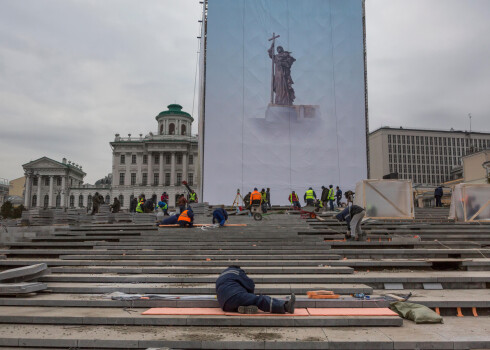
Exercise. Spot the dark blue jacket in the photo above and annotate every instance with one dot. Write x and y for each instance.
(339, 194)
(220, 215)
(233, 281)
(347, 214)
(438, 192)
(170, 220)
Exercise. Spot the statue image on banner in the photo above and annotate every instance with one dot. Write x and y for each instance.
(282, 83)
(282, 93)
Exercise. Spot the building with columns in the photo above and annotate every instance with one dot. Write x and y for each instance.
(146, 165)
(157, 162)
(48, 182)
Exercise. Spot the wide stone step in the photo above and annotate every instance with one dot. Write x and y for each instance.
(443, 299)
(462, 279)
(453, 334)
(200, 288)
(203, 270)
(232, 259)
(117, 316)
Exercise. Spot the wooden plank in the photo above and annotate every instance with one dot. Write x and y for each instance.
(200, 225)
(479, 211)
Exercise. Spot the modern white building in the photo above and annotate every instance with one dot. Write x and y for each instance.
(424, 156)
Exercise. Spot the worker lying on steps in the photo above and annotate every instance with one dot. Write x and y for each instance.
(235, 292)
(186, 218)
(353, 215)
(171, 220)
(220, 215)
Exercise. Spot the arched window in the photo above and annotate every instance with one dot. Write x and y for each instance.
(46, 201)
(80, 201)
(183, 129)
(161, 129)
(107, 199)
(58, 201)
(121, 200)
(89, 201)
(34, 201)
(171, 129)
(72, 201)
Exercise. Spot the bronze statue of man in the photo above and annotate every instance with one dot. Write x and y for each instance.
(282, 83)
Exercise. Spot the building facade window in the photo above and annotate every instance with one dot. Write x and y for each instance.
(133, 159)
(179, 158)
(46, 201)
(107, 199)
(168, 159)
(190, 177)
(121, 200)
(145, 159)
(191, 159)
(122, 159)
(183, 129)
(133, 179)
(121, 179)
(34, 201)
(46, 181)
(155, 179)
(80, 201)
(58, 181)
(179, 179)
(156, 159)
(167, 179)
(34, 181)
(145, 179)
(171, 129)
(58, 201)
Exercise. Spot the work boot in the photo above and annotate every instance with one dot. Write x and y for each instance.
(289, 305)
(251, 309)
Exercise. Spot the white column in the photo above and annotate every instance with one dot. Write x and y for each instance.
(27, 193)
(51, 179)
(149, 176)
(139, 162)
(63, 187)
(184, 166)
(39, 181)
(172, 170)
(160, 174)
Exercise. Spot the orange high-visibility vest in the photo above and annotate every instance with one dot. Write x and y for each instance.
(184, 216)
(255, 196)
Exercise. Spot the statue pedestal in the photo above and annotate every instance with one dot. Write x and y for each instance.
(275, 113)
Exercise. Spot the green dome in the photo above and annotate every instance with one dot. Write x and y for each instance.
(174, 109)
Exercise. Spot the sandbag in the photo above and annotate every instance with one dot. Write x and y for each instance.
(415, 312)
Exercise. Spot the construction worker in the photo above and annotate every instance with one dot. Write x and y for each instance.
(220, 215)
(192, 197)
(324, 196)
(255, 197)
(116, 206)
(268, 197)
(338, 194)
(186, 218)
(171, 220)
(438, 193)
(140, 206)
(264, 200)
(95, 203)
(353, 215)
(310, 196)
(235, 292)
(294, 200)
(164, 197)
(331, 197)
(182, 203)
(246, 200)
(163, 206)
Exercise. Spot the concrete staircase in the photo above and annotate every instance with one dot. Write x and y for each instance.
(282, 253)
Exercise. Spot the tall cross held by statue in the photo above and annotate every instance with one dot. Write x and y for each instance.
(273, 39)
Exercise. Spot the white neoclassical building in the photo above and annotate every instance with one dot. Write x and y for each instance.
(157, 162)
(48, 182)
(146, 165)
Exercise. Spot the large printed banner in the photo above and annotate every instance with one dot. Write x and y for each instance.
(284, 99)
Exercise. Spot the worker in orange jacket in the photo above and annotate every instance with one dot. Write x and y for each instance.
(256, 197)
(186, 218)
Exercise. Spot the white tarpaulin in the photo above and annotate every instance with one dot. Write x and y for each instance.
(286, 113)
(385, 198)
(470, 202)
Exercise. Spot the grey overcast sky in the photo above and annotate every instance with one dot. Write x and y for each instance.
(75, 72)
